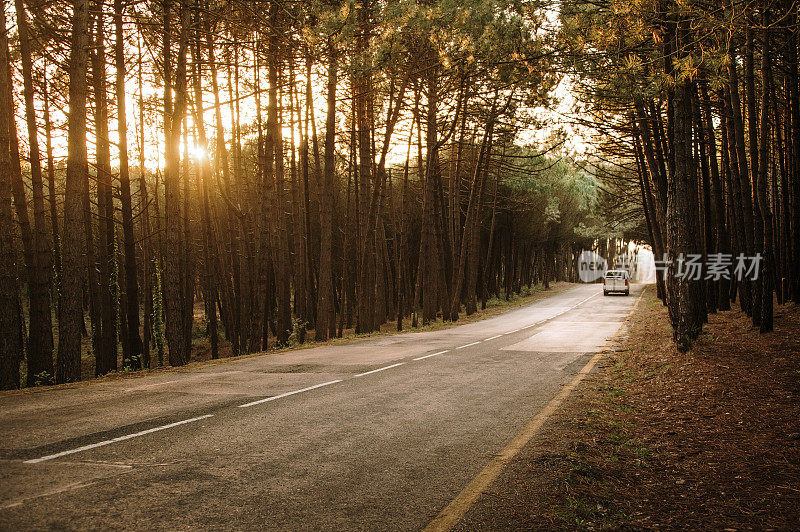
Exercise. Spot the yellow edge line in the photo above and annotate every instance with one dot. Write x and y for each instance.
(452, 514)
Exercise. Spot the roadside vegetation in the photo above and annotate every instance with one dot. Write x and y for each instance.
(700, 105)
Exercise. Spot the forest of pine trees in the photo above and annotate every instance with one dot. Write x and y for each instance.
(701, 100)
(181, 178)
(188, 177)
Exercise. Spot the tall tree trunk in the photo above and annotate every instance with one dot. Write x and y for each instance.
(734, 186)
(473, 252)
(106, 356)
(765, 209)
(275, 125)
(51, 184)
(470, 226)
(708, 213)
(752, 186)
(745, 184)
(11, 350)
(721, 237)
(187, 256)
(258, 254)
(133, 339)
(683, 222)
(148, 271)
(40, 339)
(68, 361)
(428, 241)
(326, 317)
(794, 84)
(233, 331)
(173, 264)
(210, 272)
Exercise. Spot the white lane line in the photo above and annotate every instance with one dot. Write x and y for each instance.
(379, 369)
(433, 354)
(467, 345)
(551, 317)
(115, 440)
(148, 386)
(579, 304)
(493, 337)
(287, 394)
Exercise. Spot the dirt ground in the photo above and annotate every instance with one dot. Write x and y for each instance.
(657, 439)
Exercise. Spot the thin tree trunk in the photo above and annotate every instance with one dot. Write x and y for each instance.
(722, 237)
(765, 210)
(745, 184)
(275, 125)
(51, 184)
(326, 317)
(210, 272)
(134, 341)
(148, 273)
(794, 76)
(106, 355)
(40, 339)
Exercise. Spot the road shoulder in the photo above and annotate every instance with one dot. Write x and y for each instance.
(201, 354)
(658, 439)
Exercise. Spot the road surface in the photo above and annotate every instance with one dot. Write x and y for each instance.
(376, 434)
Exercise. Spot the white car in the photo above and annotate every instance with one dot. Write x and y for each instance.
(616, 281)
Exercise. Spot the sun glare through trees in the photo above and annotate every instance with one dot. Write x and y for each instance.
(399, 265)
(191, 178)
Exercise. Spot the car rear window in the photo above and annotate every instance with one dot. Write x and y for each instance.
(615, 275)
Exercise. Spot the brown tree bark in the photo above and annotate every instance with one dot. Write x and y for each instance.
(174, 273)
(744, 190)
(274, 125)
(752, 185)
(470, 225)
(133, 339)
(722, 236)
(147, 243)
(210, 272)
(68, 361)
(429, 248)
(40, 339)
(232, 331)
(51, 184)
(106, 355)
(11, 349)
(708, 218)
(326, 317)
(794, 89)
(765, 318)
(683, 221)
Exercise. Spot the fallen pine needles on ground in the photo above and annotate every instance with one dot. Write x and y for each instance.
(708, 439)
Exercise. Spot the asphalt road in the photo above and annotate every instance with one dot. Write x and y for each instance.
(376, 434)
